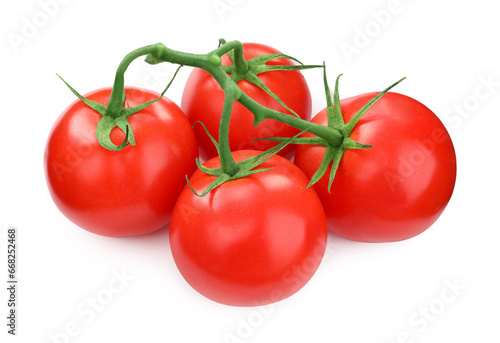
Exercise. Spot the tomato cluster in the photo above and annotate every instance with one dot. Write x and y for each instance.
(243, 242)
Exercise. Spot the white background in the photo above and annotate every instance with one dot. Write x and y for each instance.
(442, 286)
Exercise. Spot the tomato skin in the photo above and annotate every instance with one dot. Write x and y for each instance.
(399, 187)
(251, 241)
(203, 99)
(120, 193)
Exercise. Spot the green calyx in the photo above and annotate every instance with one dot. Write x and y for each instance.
(248, 70)
(243, 169)
(115, 114)
(334, 154)
(335, 122)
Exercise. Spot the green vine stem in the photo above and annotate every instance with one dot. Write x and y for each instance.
(228, 164)
(117, 98)
(211, 63)
(115, 114)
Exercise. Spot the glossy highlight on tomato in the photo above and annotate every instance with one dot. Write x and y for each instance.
(251, 241)
(120, 193)
(398, 188)
(203, 100)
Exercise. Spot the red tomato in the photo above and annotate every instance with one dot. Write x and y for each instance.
(120, 193)
(398, 188)
(203, 100)
(251, 241)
